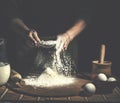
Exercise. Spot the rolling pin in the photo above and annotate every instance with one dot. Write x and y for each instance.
(102, 54)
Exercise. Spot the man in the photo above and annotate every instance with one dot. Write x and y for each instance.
(62, 19)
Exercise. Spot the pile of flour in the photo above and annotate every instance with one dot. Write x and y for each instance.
(50, 77)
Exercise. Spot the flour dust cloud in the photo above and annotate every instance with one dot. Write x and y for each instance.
(52, 76)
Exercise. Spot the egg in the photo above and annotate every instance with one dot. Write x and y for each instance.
(102, 77)
(111, 79)
(90, 88)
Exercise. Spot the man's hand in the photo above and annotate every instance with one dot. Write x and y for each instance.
(32, 39)
(34, 36)
(63, 41)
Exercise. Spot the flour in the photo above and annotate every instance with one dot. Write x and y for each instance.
(57, 75)
(47, 44)
(49, 78)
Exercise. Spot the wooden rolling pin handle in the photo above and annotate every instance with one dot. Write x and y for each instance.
(102, 54)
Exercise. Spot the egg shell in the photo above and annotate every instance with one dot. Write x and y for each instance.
(111, 79)
(102, 77)
(90, 88)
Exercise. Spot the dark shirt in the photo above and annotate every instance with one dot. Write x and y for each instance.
(49, 16)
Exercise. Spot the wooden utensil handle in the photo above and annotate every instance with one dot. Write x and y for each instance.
(102, 54)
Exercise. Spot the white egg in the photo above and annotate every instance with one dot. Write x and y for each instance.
(111, 79)
(102, 77)
(90, 88)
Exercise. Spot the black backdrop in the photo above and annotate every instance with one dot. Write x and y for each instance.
(104, 28)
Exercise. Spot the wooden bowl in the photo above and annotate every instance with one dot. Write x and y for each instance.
(105, 86)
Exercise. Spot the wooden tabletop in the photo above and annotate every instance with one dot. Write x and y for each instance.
(7, 96)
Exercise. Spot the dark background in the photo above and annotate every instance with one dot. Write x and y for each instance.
(103, 29)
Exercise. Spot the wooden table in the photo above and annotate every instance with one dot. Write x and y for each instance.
(8, 96)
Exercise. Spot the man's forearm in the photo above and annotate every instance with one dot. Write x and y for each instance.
(18, 26)
(76, 29)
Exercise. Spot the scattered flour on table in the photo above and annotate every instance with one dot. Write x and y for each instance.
(49, 78)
